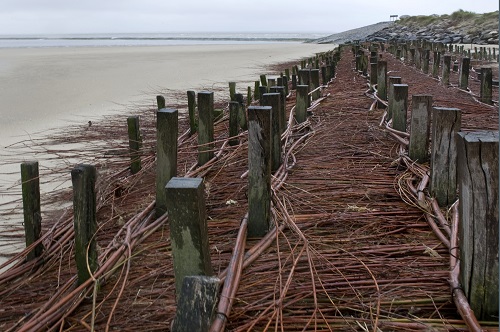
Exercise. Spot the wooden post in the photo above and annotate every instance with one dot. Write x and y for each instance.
(478, 225)
(305, 77)
(373, 73)
(287, 73)
(274, 100)
(315, 83)
(426, 60)
(400, 107)
(446, 69)
(242, 115)
(294, 81)
(249, 96)
(418, 58)
(486, 86)
(446, 123)
(188, 228)
(232, 90)
(166, 154)
(83, 178)
(390, 94)
(234, 110)
(197, 304)
(324, 80)
(420, 128)
(259, 166)
(270, 82)
(205, 127)
(262, 91)
(282, 110)
(160, 101)
(31, 207)
(435, 64)
(134, 143)
(193, 126)
(301, 103)
(263, 80)
(256, 95)
(382, 79)
(464, 74)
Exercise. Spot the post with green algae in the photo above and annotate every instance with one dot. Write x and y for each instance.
(315, 84)
(134, 143)
(464, 73)
(390, 94)
(205, 127)
(193, 125)
(83, 178)
(232, 90)
(446, 70)
(256, 95)
(160, 102)
(301, 103)
(259, 167)
(400, 107)
(274, 100)
(234, 110)
(188, 228)
(420, 128)
(282, 110)
(31, 207)
(166, 154)
(486, 86)
(382, 79)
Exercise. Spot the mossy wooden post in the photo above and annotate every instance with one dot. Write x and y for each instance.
(259, 166)
(464, 73)
(373, 73)
(188, 228)
(478, 225)
(446, 124)
(418, 58)
(305, 77)
(446, 70)
(418, 149)
(274, 100)
(390, 94)
(256, 95)
(134, 143)
(294, 81)
(83, 178)
(193, 126)
(263, 80)
(332, 70)
(160, 102)
(167, 131)
(282, 110)
(205, 127)
(287, 73)
(31, 207)
(232, 90)
(486, 86)
(234, 110)
(324, 80)
(242, 115)
(435, 64)
(382, 79)
(426, 60)
(270, 82)
(197, 304)
(400, 107)
(315, 84)
(262, 91)
(249, 96)
(301, 103)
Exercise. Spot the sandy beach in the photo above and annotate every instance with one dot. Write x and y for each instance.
(43, 88)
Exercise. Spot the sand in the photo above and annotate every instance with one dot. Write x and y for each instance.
(42, 88)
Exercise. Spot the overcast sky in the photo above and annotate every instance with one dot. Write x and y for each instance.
(96, 16)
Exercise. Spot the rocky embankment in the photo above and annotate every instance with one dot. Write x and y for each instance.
(460, 27)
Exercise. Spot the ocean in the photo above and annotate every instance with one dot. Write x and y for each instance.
(152, 39)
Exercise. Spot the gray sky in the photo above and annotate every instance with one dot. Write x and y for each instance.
(95, 16)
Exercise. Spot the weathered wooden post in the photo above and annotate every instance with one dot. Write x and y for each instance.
(262, 91)
(256, 95)
(134, 143)
(193, 126)
(242, 115)
(232, 90)
(305, 77)
(418, 58)
(400, 107)
(205, 127)
(324, 80)
(373, 73)
(259, 166)
(197, 304)
(270, 82)
(188, 228)
(294, 81)
(234, 110)
(83, 178)
(435, 64)
(263, 80)
(274, 100)
(418, 149)
(315, 83)
(446, 123)
(382, 79)
(412, 55)
(446, 69)
(486, 86)
(425, 67)
(249, 96)
(282, 109)
(31, 207)
(301, 103)
(166, 154)
(160, 102)
(390, 94)
(478, 224)
(464, 73)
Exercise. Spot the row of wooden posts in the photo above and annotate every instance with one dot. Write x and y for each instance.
(460, 162)
(183, 198)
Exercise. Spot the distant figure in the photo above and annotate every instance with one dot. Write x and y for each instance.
(90, 124)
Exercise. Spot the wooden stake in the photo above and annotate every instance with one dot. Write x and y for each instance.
(420, 128)
(274, 100)
(301, 103)
(205, 127)
(134, 143)
(193, 125)
(31, 207)
(400, 107)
